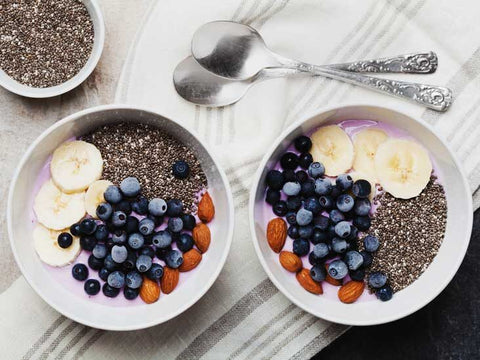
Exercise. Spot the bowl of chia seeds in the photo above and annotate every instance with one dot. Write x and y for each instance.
(360, 214)
(50, 47)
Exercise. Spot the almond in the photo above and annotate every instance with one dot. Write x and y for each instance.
(351, 291)
(276, 234)
(149, 291)
(206, 209)
(169, 279)
(201, 235)
(190, 260)
(331, 280)
(290, 261)
(304, 278)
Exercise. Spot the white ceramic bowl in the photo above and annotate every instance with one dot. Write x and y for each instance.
(99, 29)
(80, 308)
(440, 271)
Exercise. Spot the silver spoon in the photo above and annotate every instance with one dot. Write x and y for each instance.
(237, 51)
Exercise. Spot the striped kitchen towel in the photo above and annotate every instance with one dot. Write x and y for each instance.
(244, 316)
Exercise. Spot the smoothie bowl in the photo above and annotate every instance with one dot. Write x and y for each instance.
(119, 218)
(360, 214)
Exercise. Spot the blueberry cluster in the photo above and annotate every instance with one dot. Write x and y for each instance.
(328, 215)
(124, 246)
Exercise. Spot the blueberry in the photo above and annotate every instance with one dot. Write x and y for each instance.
(304, 217)
(362, 222)
(301, 247)
(147, 250)
(345, 203)
(109, 291)
(292, 188)
(146, 226)
(119, 219)
(109, 263)
(280, 208)
(180, 169)
(303, 143)
(353, 233)
(119, 237)
(336, 216)
(130, 187)
(88, 243)
(289, 175)
(140, 206)
(326, 202)
(313, 260)
(272, 196)
(113, 195)
(331, 231)
(119, 253)
(131, 225)
(157, 207)
(353, 259)
(116, 279)
(312, 204)
(124, 206)
(130, 294)
(344, 182)
(318, 236)
(367, 258)
(103, 273)
(305, 232)
(92, 287)
(301, 176)
(336, 192)
(157, 220)
(318, 273)
(385, 293)
(294, 203)
(162, 252)
(337, 269)
(316, 170)
(155, 272)
(189, 221)
(275, 179)
(162, 239)
(377, 279)
(88, 226)
(291, 218)
(100, 251)
(343, 229)
(136, 241)
(293, 232)
(289, 161)
(308, 188)
(174, 259)
(361, 188)
(80, 272)
(174, 207)
(131, 260)
(104, 211)
(321, 250)
(133, 279)
(75, 230)
(339, 245)
(101, 234)
(185, 242)
(143, 263)
(304, 160)
(323, 186)
(371, 243)
(175, 224)
(64, 240)
(94, 263)
(357, 275)
(321, 222)
(362, 207)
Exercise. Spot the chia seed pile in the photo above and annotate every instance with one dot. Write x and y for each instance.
(148, 154)
(410, 233)
(44, 43)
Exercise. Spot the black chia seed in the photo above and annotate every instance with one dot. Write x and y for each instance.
(410, 233)
(148, 154)
(44, 43)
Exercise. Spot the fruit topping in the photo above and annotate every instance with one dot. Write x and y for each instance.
(303, 143)
(80, 272)
(92, 287)
(180, 169)
(366, 144)
(49, 250)
(94, 196)
(306, 281)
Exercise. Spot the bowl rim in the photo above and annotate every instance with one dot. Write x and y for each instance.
(41, 93)
(255, 240)
(228, 237)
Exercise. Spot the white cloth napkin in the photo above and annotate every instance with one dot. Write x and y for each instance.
(243, 315)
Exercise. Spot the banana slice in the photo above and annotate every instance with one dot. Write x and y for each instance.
(57, 210)
(75, 165)
(94, 196)
(365, 144)
(357, 175)
(403, 167)
(333, 148)
(46, 246)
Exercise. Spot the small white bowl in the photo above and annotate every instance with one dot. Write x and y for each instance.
(431, 282)
(99, 38)
(79, 308)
